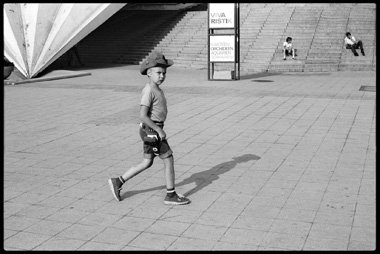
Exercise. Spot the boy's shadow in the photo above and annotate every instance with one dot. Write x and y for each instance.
(202, 179)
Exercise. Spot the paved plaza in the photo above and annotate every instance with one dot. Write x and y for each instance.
(273, 161)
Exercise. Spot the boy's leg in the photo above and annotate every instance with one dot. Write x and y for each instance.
(172, 198)
(133, 171)
(353, 49)
(169, 172)
(116, 183)
(360, 46)
(284, 50)
(293, 53)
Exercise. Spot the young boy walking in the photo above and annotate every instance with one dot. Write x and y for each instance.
(153, 111)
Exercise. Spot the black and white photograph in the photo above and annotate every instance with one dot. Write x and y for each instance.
(189, 126)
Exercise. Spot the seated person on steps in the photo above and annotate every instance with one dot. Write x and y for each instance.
(353, 44)
(288, 48)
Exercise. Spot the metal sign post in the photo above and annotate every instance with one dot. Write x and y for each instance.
(223, 40)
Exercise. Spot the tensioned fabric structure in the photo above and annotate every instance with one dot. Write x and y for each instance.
(35, 35)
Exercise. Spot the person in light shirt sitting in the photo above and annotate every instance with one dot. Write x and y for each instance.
(353, 44)
(288, 48)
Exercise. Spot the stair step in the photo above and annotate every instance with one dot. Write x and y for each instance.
(182, 36)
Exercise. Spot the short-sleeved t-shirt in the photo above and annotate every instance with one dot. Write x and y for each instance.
(155, 100)
(288, 46)
(349, 41)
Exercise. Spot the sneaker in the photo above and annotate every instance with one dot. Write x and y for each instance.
(115, 186)
(177, 199)
(284, 58)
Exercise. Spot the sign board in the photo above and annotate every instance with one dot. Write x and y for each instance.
(221, 15)
(222, 48)
(223, 41)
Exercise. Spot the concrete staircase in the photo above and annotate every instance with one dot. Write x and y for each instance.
(320, 45)
(326, 47)
(261, 51)
(362, 25)
(127, 37)
(302, 27)
(252, 19)
(317, 30)
(186, 44)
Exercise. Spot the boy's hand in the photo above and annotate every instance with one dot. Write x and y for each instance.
(161, 133)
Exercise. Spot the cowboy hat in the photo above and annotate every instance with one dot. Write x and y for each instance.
(156, 59)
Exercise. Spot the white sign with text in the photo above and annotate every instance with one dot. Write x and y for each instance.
(222, 48)
(221, 15)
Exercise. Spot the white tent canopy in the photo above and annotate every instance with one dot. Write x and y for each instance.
(35, 35)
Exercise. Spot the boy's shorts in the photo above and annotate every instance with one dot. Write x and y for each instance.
(150, 148)
(288, 52)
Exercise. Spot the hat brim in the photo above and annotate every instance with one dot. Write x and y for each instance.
(144, 67)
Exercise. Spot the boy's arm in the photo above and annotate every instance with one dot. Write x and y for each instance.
(145, 119)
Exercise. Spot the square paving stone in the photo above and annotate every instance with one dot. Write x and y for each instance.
(297, 214)
(364, 221)
(100, 246)
(295, 228)
(60, 244)
(149, 211)
(47, 227)
(227, 246)
(25, 240)
(181, 214)
(363, 234)
(261, 211)
(152, 241)
(243, 236)
(184, 243)
(325, 244)
(81, 232)
(361, 246)
(168, 227)
(334, 218)
(59, 202)
(245, 221)
(216, 219)
(86, 205)
(329, 231)
(205, 232)
(133, 223)
(115, 236)
(37, 211)
(100, 219)
(30, 198)
(11, 208)
(67, 215)
(19, 222)
(283, 240)
(9, 232)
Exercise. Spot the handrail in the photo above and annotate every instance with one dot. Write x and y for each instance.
(373, 62)
(241, 25)
(342, 49)
(261, 28)
(312, 40)
(285, 30)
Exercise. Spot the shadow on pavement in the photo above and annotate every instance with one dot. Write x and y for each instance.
(260, 75)
(202, 179)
